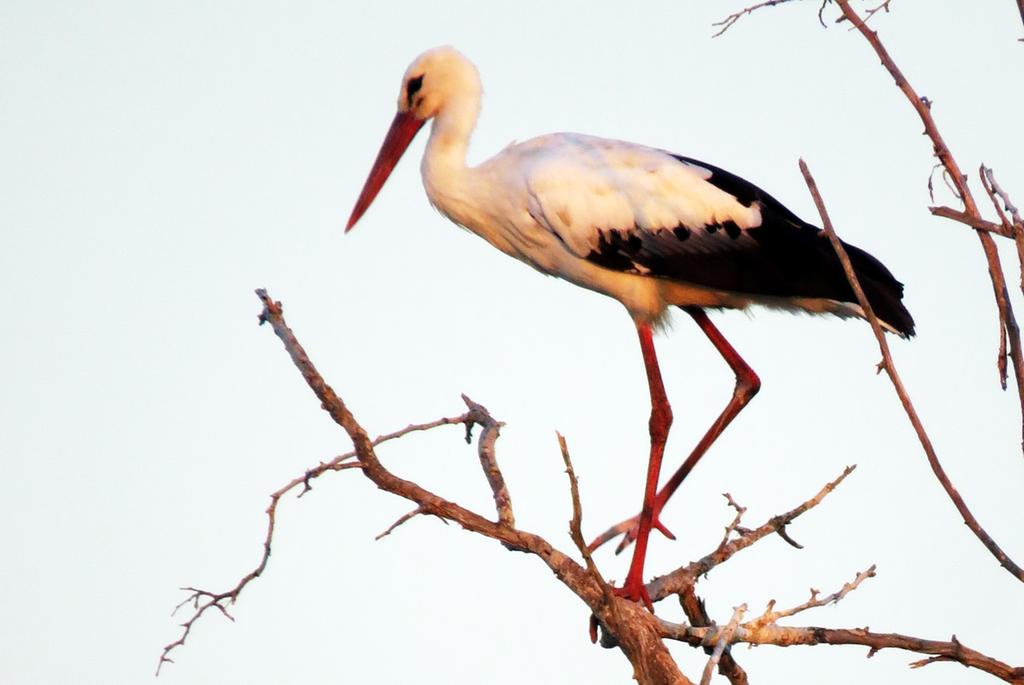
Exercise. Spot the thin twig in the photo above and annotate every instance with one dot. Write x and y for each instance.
(901, 391)
(724, 640)
(402, 519)
(697, 614)
(764, 630)
(735, 523)
(922, 106)
(784, 636)
(868, 13)
(872, 11)
(635, 628)
(1016, 226)
(576, 533)
(203, 600)
(678, 580)
(770, 616)
(576, 522)
(994, 192)
(490, 428)
(727, 23)
(339, 463)
(976, 223)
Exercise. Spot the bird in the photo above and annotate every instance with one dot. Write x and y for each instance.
(649, 228)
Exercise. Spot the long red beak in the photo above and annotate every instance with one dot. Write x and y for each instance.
(403, 129)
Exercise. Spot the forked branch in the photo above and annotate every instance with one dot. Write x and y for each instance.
(890, 368)
(637, 632)
(764, 630)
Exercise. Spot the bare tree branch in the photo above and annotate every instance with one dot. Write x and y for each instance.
(922, 106)
(203, 600)
(781, 636)
(770, 616)
(638, 633)
(402, 519)
(890, 368)
(697, 614)
(971, 216)
(576, 522)
(727, 23)
(723, 641)
(576, 533)
(489, 434)
(626, 625)
(868, 13)
(635, 630)
(677, 581)
(759, 632)
(977, 223)
(1016, 226)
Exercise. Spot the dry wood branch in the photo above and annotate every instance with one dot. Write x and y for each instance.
(401, 520)
(203, 600)
(976, 223)
(770, 616)
(696, 612)
(872, 11)
(734, 525)
(782, 636)
(764, 630)
(635, 630)
(727, 23)
(901, 391)
(971, 216)
(576, 522)
(677, 581)
(1016, 226)
(993, 190)
(722, 644)
(869, 13)
(697, 615)
(1007, 320)
(488, 436)
(628, 626)
(576, 533)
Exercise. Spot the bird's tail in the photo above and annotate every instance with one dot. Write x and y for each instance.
(883, 291)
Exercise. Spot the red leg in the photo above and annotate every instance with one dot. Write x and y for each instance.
(661, 419)
(747, 385)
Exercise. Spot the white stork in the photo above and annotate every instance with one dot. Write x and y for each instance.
(641, 225)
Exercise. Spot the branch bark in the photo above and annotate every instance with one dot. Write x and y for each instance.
(764, 630)
(635, 630)
(782, 636)
(639, 634)
(679, 580)
(1007, 320)
(890, 368)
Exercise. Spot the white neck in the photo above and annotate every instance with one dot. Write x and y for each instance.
(444, 164)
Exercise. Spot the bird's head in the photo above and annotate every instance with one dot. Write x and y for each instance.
(432, 84)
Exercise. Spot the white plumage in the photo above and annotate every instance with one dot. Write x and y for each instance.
(644, 226)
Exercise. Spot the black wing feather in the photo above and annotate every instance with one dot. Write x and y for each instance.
(787, 257)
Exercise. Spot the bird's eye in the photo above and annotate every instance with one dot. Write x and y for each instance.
(413, 87)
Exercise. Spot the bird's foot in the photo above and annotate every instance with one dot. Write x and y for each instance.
(628, 529)
(634, 590)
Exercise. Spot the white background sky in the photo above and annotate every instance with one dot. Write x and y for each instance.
(158, 161)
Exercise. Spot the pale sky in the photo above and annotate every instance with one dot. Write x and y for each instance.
(159, 161)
